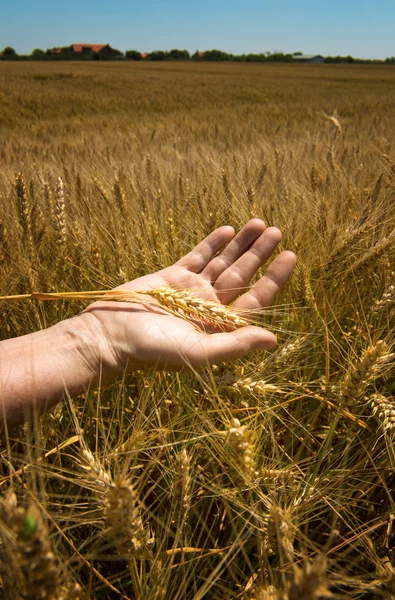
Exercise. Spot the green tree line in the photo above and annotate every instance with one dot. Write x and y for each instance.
(66, 53)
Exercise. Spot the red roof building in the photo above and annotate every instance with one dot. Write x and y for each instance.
(103, 49)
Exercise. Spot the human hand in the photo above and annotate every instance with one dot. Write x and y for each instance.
(141, 335)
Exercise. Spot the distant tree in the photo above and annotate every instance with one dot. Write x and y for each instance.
(344, 59)
(157, 55)
(179, 54)
(133, 55)
(9, 53)
(256, 58)
(38, 54)
(217, 55)
(117, 53)
(280, 57)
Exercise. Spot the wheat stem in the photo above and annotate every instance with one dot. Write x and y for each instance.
(180, 303)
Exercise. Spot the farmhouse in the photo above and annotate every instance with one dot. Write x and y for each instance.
(100, 49)
(308, 58)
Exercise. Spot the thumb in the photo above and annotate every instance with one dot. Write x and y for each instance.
(219, 347)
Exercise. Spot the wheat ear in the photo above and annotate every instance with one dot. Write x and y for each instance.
(182, 302)
(182, 483)
(24, 211)
(28, 565)
(386, 299)
(60, 214)
(124, 523)
(238, 439)
(281, 533)
(118, 502)
(266, 592)
(247, 384)
(335, 122)
(361, 374)
(384, 410)
(342, 252)
(308, 582)
(372, 255)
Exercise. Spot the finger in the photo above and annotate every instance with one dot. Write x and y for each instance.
(197, 259)
(220, 347)
(243, 240)
(265, 290)
(239, 274)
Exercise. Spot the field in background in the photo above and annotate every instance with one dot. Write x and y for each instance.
(226, 488)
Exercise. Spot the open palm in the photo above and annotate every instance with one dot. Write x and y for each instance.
(141, 335)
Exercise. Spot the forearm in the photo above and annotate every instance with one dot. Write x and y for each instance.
(40, 369)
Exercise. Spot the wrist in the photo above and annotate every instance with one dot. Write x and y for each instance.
(90, 345)
(39, 369)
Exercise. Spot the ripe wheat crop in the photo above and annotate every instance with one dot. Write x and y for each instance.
(271, 477)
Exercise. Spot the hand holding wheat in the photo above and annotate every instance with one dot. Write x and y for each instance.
(142, 334)
(151, 328)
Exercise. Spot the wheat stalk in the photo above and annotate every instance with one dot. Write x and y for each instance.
(180, 303)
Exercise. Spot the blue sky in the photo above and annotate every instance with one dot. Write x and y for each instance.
(362, 28)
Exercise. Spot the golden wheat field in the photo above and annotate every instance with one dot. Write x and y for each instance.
(267, 478)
